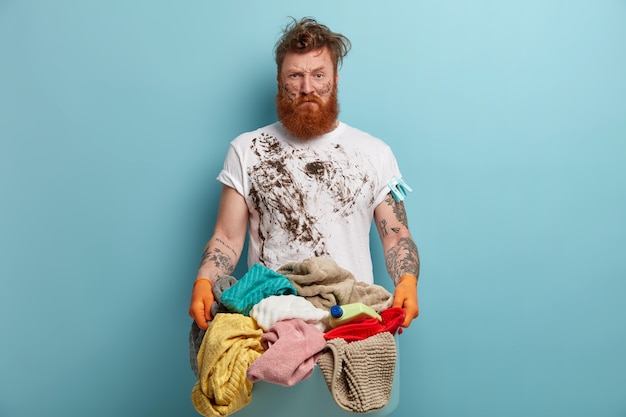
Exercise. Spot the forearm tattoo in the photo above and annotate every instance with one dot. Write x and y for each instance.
(217, 239)
(402, 259)
(222, 261)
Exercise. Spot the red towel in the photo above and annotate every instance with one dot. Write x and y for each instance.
(392, 319)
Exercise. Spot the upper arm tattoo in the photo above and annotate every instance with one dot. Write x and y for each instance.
(399, 213)
(398, 210)
(383, 228)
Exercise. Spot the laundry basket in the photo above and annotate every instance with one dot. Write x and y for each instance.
(309, 398)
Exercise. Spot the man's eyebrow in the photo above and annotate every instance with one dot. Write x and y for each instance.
(299, 71)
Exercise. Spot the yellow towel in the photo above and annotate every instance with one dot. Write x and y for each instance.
(230, 345)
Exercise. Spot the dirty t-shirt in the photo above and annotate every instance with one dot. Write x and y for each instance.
(310, 198)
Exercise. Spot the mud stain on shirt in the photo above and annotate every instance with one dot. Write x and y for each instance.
(295, 189)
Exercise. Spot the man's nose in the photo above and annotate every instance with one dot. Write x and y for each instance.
(306, 86)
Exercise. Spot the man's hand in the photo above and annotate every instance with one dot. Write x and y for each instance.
(201, 302)
(405, 297)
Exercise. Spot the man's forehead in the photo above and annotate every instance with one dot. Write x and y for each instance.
(313, 59)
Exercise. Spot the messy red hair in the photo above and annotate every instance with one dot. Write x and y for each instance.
(306, 35)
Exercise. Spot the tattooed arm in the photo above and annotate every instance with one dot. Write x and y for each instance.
(221, 253)
(401, 256)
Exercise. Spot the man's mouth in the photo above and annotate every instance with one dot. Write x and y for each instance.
(309, 102)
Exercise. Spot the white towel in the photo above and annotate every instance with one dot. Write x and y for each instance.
(283, 307)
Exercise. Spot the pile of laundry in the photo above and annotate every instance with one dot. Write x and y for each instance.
(274, 326)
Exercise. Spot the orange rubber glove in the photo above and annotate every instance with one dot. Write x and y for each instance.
(405, 297)
(201, 302)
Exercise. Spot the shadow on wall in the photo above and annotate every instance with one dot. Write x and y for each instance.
(254, 107)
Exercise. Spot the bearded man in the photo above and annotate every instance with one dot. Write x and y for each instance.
(309, 185)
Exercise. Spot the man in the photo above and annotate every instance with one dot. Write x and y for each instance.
(309, 185)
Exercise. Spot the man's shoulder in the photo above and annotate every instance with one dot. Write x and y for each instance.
(361, 137)
(272, 129)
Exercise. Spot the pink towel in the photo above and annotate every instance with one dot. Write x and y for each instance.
(292, 348)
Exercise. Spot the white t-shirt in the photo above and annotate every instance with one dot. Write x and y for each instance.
(310, 198)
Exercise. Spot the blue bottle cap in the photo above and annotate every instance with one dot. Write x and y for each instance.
(336, 311)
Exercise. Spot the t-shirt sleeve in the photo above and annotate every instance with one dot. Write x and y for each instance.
(388, 169)
(232, 172)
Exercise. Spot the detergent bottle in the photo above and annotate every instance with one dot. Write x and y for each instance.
(350, 312)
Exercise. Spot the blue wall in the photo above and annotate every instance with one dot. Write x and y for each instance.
(508, 120)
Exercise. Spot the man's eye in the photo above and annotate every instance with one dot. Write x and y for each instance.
(294, 75)
(319, 75)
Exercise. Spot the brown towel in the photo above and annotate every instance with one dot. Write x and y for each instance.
(359, 374)
(324, 284)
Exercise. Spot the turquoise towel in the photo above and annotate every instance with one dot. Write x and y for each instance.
(256, 284)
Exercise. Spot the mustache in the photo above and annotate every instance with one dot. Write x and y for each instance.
(309, 98)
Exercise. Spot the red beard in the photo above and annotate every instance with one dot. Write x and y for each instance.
(308, 121)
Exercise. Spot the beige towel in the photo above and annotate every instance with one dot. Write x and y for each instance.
(359, 374)
(230, 345)
(324, 284)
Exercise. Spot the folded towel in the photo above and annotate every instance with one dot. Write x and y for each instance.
(231, 343)
(324, 283)
(283, 307)
(292, 347)
(359, 375)
(256, 284)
